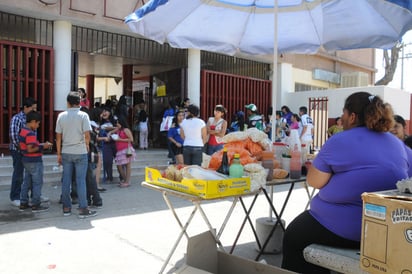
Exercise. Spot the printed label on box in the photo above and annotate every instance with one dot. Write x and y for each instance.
(401, 215)
(375, 211)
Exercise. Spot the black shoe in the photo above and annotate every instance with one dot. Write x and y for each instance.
(24, 206)
(39, 208)
(101, 189)
(98, 204)
(86, 213)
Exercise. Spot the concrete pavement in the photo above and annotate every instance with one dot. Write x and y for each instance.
(133, 232)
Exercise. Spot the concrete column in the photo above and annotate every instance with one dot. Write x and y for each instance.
(286, 83)
(62, 42)
(193, 76)
(128, 80)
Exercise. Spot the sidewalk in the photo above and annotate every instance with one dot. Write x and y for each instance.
(133, 232)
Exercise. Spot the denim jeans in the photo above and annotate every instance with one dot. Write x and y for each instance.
(192, 155)
(17, 177)
(33, 179)
(212, 149)
(77, 162)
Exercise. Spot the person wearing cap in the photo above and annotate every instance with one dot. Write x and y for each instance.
(17, 122)
(193, 132)
(254, 119)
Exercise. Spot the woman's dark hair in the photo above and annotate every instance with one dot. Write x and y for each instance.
(82, 92)
(337, 119)
(370, 111)
(399, 119)
(122, 121)
(174, 121)
(193, 111)
(296, 117)
(73, 98)
(286, 108)
(220, 108)
(95, 114)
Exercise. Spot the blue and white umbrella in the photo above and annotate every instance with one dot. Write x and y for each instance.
(248, 26)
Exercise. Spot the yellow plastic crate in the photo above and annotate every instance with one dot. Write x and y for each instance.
(206, 189)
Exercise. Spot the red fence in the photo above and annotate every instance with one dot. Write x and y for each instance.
(318, 110)
(233, 92)
(27, 71)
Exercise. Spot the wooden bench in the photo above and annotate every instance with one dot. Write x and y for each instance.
(340, 260)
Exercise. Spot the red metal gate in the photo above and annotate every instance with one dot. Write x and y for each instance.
(318, 110)
(233, 92)
(27, 71)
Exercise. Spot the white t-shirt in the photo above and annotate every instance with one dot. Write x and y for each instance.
(192, 129)
(307, 121)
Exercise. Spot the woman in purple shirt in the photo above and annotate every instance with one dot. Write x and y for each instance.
(365, 157)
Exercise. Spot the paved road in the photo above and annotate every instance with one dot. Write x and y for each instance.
(132, 233)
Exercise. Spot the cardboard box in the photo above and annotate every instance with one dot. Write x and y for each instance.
(207, 189)
(386, 245)
(203, 257)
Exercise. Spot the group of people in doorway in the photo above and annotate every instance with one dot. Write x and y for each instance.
(85, 139)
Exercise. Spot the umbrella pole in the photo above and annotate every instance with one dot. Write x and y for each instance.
(274, 79)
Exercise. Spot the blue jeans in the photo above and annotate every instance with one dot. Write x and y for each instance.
(79, 163)
(17, 177)
(212, 149)
(192, 155)
(33, 179)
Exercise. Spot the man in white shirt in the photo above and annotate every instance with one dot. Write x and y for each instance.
(306, 136)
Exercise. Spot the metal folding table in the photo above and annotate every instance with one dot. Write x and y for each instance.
(196, 200)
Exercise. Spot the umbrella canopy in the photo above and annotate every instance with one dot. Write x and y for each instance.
(247, 26)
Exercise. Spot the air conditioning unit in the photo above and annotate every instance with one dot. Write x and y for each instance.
(354, 79)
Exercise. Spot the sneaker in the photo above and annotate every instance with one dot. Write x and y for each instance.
(67, 211)
(24, 206)
(86, 213)
(15, 203)
(39, 208)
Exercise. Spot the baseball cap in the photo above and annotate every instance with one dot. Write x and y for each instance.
(252, 107)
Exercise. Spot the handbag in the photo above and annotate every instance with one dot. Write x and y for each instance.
(166, 123)
(129, 151)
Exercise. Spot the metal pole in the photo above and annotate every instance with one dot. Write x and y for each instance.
(403, 56)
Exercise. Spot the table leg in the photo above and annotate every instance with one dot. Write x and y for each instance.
(178, 238)
(169, 204)
(310, 195)
(222, 227)
(278, 218)
(244, 221)
(197, 204)
(271, 198)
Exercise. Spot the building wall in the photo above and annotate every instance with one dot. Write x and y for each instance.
(399, 99)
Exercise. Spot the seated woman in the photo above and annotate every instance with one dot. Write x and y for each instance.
(365, 157)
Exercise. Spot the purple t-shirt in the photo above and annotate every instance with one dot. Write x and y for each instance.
(360, 160)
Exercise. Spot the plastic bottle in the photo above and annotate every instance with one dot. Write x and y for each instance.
(224, 166)
(236, 168)
(295, 163)
(267, 163)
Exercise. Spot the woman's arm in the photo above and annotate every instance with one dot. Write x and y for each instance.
(317, 178)
(204, 135)
(222, 131)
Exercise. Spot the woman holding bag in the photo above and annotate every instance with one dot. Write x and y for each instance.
(125, 152)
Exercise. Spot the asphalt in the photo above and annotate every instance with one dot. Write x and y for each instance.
(133, 232)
